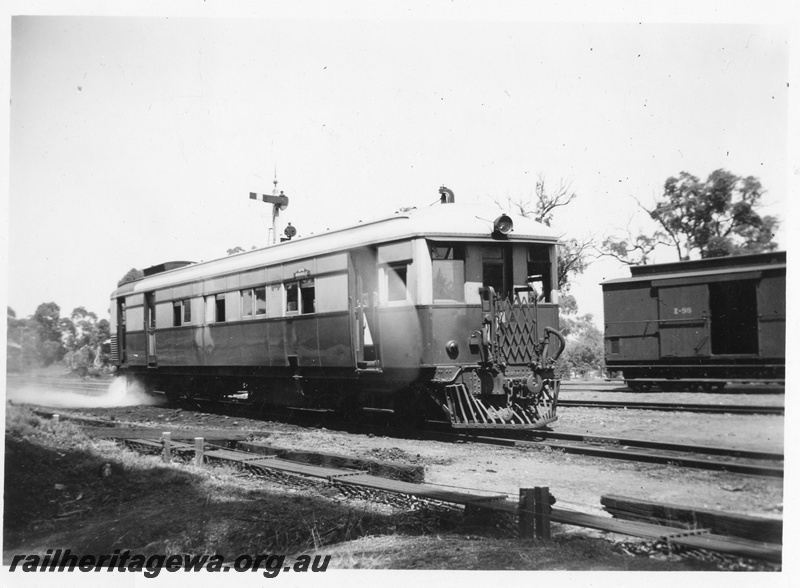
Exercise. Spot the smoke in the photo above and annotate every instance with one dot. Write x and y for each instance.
(117, 394)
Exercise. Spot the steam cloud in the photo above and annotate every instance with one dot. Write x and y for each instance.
(117, 394)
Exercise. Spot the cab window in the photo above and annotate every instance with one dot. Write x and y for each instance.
(539, 276)
(496, 260)
(447, 261)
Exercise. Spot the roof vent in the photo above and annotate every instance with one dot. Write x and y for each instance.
(447, 196)
(165, 267)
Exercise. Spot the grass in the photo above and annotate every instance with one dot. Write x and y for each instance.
(64, 489)
(57, 494)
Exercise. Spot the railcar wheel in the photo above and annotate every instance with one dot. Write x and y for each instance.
(413, 406)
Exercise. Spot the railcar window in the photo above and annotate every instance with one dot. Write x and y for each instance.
(247, 303)
(301, 297)
(307, 296)
(261, 300)
(448, 272)
(181, 312)
(292, 298)
(210, 310)
(539, 271)
(254, 302)
(219, 307)
(497, 268)
(397, 276)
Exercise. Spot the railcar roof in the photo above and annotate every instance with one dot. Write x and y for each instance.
(452, 222)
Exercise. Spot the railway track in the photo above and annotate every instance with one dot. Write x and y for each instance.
(739, 388)
(763, 464)
(673, 406)
(743, 462)
(751, 463)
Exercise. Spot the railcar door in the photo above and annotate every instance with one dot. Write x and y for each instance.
(119, 343)
(772, 316)
(683, 321)
(734, 317)
(364, 288)
(150, 328)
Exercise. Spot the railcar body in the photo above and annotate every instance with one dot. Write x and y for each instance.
(701, 323)
(444, 312)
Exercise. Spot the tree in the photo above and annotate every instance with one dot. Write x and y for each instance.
(584, 353)
(572, 260)
(87, 341)
(572, 252)
(714, 218)
(132, 275)
(46, 322)
(633, 250)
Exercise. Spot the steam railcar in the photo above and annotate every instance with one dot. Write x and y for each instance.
(444, 313)
(698, 323)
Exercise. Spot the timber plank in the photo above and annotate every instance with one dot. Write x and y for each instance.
(155, 433)
(722, 523)
(405, 472)
(734, 545)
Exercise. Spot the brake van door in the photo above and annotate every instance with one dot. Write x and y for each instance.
(683, 321)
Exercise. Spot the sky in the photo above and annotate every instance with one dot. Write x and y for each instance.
(136, 135)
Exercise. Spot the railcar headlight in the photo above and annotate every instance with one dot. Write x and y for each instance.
(452, 349)
(503, 224)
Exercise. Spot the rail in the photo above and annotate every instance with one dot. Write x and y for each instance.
(674, 407)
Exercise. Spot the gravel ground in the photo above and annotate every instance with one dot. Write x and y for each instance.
(577, 482)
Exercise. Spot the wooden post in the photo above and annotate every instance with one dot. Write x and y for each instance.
(55, 419)
(526, 512)
(541, 510)
(165, 439)
(198, 451)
